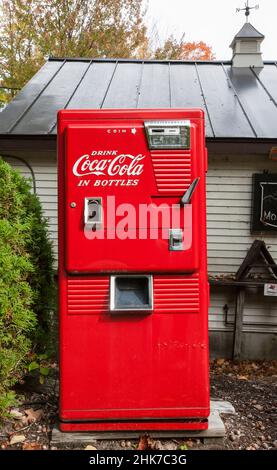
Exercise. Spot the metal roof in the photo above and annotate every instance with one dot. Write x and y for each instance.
(248, 31)
(239, 103)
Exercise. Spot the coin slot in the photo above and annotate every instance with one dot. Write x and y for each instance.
(131, 293)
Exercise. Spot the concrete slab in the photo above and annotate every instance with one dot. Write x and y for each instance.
(222, 407)
(216, 430)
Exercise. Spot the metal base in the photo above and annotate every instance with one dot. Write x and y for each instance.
(215, 429)
(141, 426)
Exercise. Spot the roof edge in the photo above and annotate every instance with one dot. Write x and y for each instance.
(17, 143)
(150, 61)
(132, 60)
(4, 136)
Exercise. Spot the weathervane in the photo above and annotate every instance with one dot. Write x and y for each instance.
(247, 9)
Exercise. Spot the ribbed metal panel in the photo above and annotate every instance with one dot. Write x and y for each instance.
(172, 294)
(172, 174)
(88, 295)
(176, 294)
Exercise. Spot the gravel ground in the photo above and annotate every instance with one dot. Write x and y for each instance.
(251, 387)
(252, 390)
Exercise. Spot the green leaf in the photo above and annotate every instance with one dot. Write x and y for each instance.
(33, 366)
(41, 379)
(184, 447)
(42, 357)
(44, 371)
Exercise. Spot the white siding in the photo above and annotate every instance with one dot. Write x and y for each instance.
(45, 170)
(229, 193)
(229, 187)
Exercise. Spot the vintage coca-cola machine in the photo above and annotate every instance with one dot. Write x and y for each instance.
(133, 289)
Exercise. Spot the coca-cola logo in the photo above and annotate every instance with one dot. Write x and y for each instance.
(121, 165)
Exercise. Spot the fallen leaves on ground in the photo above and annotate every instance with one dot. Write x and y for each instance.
(145, 443)
(17, 438)
(32, 416)
(31, 446)
(16, 414)
(190, 443)
(249, 386)
(244, 370)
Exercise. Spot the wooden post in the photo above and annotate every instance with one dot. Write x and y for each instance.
(237, 339)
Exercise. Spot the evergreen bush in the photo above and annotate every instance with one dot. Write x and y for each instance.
(26, 280)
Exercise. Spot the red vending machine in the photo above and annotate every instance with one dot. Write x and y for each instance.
(133, 289)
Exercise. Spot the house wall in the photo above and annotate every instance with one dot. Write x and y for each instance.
(45, 170)
(229, 192)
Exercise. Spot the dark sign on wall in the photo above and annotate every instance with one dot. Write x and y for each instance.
(264, 203)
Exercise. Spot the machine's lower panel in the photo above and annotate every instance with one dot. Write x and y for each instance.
(134, 371)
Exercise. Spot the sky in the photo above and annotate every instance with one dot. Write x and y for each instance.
(214, 22)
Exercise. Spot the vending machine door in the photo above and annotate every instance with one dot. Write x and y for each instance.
(126, 184)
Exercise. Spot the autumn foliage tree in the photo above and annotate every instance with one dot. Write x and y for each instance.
(93, 28)
(196, 51)
(181, 50)
(19, 58)
(32, 30)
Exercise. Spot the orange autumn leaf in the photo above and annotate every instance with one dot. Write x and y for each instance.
(196, 51)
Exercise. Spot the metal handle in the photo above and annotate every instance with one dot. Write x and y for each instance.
(189, 192)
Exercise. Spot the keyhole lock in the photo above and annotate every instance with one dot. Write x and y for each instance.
(93, 212)
(176, 240)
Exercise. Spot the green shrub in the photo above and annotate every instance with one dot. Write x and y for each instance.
(26, 280)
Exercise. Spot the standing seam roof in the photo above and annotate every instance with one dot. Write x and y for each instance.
(238, 103)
